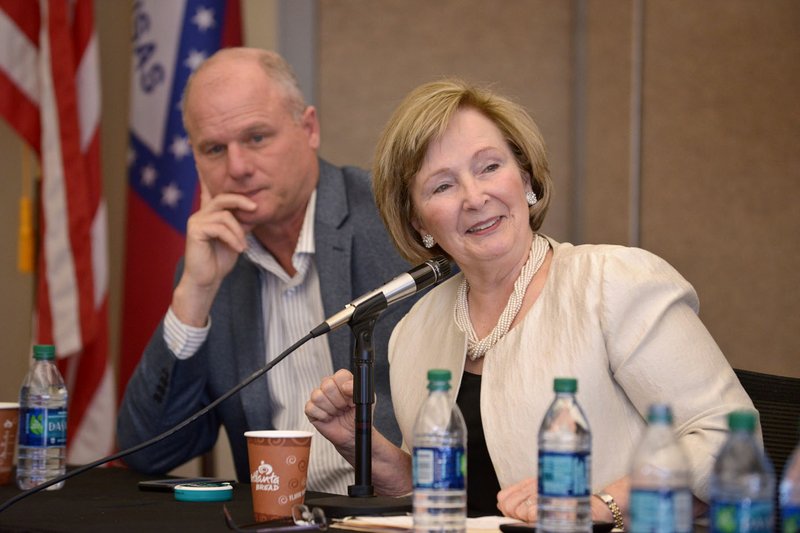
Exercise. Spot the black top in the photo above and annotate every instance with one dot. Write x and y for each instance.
(482, 484)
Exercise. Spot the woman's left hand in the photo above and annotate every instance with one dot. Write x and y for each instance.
(519, 500)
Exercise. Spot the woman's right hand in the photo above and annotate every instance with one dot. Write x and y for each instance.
(331, 410)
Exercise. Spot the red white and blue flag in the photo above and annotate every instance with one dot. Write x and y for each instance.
(170, 40)
(50, 94)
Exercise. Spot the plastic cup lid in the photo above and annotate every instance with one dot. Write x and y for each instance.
(204, 491)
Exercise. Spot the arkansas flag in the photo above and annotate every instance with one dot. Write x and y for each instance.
(170, 40)
(50, 94)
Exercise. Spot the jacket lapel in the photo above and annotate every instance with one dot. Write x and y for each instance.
(247, 340)
(333, 249)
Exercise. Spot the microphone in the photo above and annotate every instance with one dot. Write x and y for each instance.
(419, 278)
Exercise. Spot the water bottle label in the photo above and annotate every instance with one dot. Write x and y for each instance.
(440, 468)
(661, 511)
(753, 516)
(564, 474)
(42, 427)
(790, 514)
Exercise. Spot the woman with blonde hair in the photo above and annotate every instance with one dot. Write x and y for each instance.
(463, 171)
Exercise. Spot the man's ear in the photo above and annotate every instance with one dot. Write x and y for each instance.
(310, 123)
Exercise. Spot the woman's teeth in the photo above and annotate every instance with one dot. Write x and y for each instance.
(482, 227)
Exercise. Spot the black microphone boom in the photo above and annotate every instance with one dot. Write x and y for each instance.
(133, 449)
(419, 278)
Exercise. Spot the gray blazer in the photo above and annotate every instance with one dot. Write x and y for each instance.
(354, 255)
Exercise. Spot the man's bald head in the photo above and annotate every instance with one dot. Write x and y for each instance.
(274, 67)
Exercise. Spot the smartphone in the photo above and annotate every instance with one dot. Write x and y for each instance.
(168, 485)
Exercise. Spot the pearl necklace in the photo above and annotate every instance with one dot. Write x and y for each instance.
(477, 348)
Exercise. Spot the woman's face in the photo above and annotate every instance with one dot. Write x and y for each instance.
(469, 193)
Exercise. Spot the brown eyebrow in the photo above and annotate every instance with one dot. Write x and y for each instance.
(472, 157)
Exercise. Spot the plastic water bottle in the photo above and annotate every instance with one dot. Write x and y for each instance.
(790, 494)
(661, 496)
(743, 482)
(41, 452)
(565, 464)
(440, 460)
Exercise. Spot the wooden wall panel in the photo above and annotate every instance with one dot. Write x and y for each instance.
(17, 288)
(373, 53)
(720, 129)
(721, 165)
(607, 123)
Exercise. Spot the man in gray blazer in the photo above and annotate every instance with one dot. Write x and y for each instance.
(282, 240)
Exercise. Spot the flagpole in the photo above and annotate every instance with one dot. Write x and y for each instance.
(25, 243)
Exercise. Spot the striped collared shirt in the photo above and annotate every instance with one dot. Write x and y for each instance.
(292, 307)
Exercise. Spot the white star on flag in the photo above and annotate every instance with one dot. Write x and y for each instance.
(149, 176)
(204, 18)
(170, 195)
(195, 59)
(180, 147)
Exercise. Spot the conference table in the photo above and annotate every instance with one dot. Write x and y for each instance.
(109, 500)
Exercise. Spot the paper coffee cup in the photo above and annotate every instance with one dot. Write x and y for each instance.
(278, 471)
(9, 425)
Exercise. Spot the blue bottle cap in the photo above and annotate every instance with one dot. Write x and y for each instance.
(659, 413)
(204, 491)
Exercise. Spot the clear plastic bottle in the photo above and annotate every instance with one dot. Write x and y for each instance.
(790, 494)
(742, 482)
(565, 464)
(661, 496)
(41, 452)
(440, 460)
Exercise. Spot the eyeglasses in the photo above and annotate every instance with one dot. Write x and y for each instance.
(303, 519)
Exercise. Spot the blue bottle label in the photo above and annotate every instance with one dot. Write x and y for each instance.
(42, 427)
(564, 474)
(790, 514)
(661, 511)
(741, 516)
(439, 468)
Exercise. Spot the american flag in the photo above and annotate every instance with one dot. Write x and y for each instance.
(50, 94)
(170, 40)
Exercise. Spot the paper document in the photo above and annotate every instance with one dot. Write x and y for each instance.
(395, 524)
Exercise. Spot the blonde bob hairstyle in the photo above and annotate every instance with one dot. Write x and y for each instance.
(422, 118)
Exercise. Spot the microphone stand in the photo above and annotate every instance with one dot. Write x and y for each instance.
(361, 498)
(363, 364)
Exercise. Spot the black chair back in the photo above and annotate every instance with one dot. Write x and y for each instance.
(777, 399)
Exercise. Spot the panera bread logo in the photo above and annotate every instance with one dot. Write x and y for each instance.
(265, 478)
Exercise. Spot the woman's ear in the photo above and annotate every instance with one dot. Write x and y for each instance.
(526, 179)
(416, 225)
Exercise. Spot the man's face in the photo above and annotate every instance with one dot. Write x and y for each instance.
(246, 141)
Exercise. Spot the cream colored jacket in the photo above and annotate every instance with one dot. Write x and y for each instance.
(620, 320)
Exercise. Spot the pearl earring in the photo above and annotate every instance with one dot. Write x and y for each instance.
(427, 240)
(530, 196)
